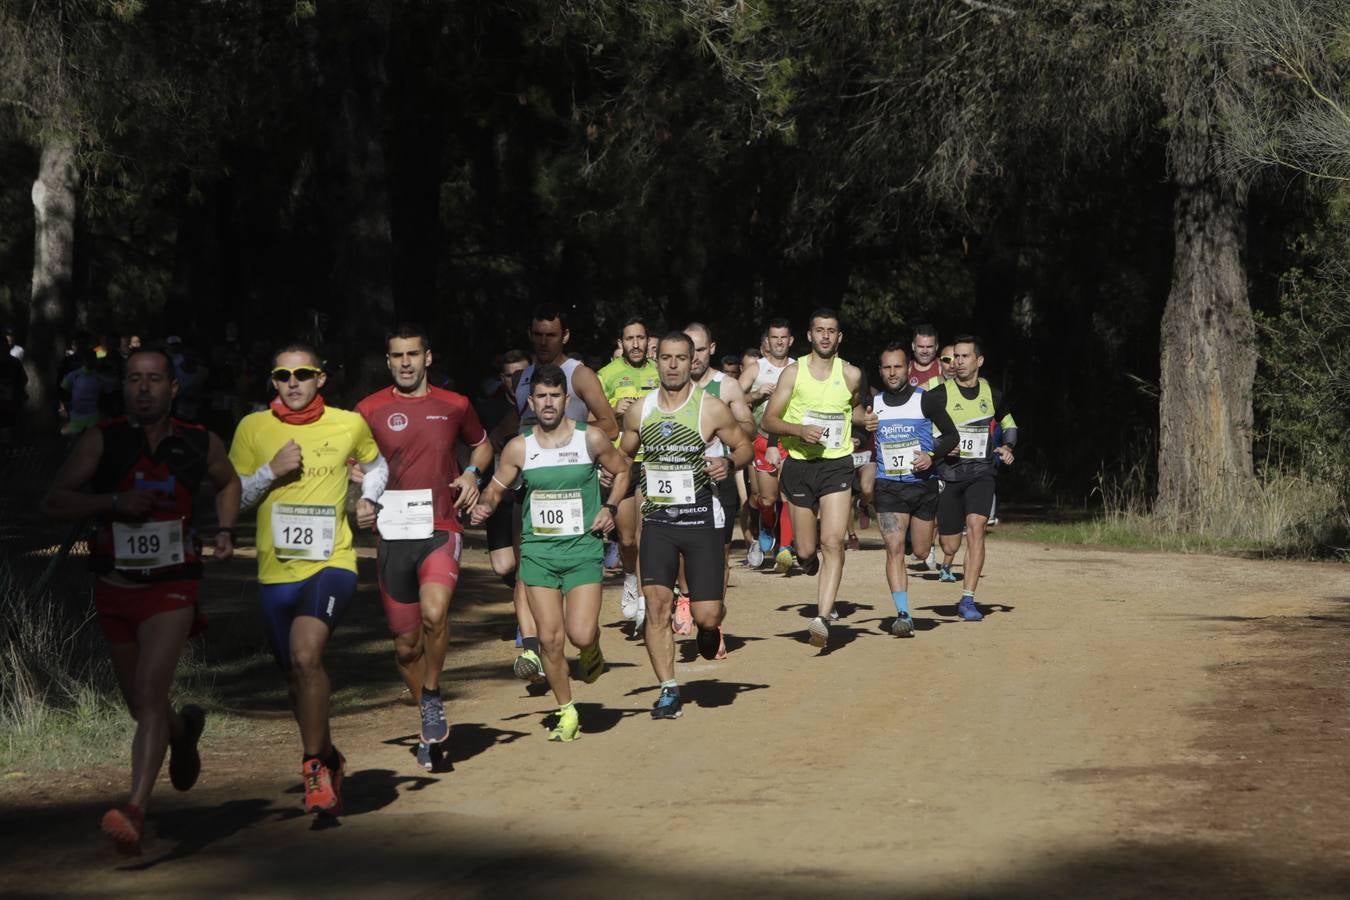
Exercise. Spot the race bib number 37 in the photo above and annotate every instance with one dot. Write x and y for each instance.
(150, 545)
(898, 456)
(556, 513)
(303, 531)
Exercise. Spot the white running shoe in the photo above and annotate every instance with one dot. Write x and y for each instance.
(931, 561)
(754, 557)
(640, 620)
(632, 597)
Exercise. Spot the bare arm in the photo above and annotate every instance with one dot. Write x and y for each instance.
(228, 495)
(734, 398)
(617, 465)
(773, 414)
(65, 499)
(731, 432)
(632, 422)
(587, 386)
(508, 467)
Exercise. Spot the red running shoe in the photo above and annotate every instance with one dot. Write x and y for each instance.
(125, 825)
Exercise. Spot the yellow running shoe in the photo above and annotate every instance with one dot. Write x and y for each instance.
(784, 560)
(568, 727)
(529, 667)
(591, 664)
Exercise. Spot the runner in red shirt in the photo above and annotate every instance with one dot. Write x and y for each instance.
(924, 365)
(417, 428)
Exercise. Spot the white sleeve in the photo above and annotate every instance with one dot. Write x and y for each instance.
(377, 476)
(255, 486)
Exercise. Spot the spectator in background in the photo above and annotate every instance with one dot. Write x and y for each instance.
(12, 343)
(82, 390)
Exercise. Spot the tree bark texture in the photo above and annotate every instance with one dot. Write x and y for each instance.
(54, 207)
(1208, 349)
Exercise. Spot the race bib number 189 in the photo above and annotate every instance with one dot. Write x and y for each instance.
(150, 545)
(303, 531)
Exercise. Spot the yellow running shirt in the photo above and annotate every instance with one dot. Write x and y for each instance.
(302, 522)
(827, 404)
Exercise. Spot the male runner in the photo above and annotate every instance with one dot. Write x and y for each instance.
(292, 460)
(626, 381)
(678, 426)
(500, 527)
(726, 389)
(758, 379)
(979, 412)
(417, 426)
(585, 398)
(561, 553)
(903, 420)
(144, 470)
(947, 361)
(812, 408)
(924, 366)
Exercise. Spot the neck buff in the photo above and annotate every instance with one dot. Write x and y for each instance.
(309, 414)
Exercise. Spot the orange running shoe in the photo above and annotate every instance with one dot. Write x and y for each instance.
(683, 620)
(125, 825)
(323, 786)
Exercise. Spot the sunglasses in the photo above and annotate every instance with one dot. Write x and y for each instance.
(948, 359)
(304, 373)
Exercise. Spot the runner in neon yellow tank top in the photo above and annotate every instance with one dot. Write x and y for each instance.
(560, 552)
(813, 409)
(626, 381)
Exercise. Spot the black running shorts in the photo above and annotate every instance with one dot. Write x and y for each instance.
(805, 481)
(964, 498)
(700, 546)
(911, 498)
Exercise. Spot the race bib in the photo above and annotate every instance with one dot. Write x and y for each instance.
(149, 545)
(898, 456)
(406, 515)
(303, 531)
(556, 513)
(974, 441)
(669, 485)
(831, 426)
(861, 458)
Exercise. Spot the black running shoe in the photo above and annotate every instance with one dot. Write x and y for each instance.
(185, 763)
(708, 642)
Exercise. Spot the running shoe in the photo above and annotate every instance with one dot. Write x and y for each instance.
(853, 543)
(529, 667)
(125, 825)
(424, 756)
(784, 560)
(721, 644)
(640, 621)
(682, 623)
(568, 727)
(520, 638)
(811, 566)
(708, 642)
(818, 631)
(632, 596)
(591, 664)
(931, 562)
(903, 626)
(754, 556)
(434, 727)
(185, 763)
(765, 539)
(668, 705)
(321, 786)
(967, 610)
(611, 554)
(945, 574)
(834, 615)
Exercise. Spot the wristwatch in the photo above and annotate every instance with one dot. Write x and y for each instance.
(471, 469)
(613, 508)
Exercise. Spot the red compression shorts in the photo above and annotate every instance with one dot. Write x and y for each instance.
(121, 609)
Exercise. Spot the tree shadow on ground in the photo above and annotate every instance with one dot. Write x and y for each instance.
(884, 623)
(841, 635)
(466, 740)
(844, 608)
(707, 693)
(193, 829)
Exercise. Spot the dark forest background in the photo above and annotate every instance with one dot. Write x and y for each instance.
(1140, 206)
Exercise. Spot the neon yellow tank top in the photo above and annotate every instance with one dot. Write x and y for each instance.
(828, 404)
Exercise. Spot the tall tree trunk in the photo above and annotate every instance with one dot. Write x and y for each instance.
(54, 202)
(1208, 360)
(357, 40)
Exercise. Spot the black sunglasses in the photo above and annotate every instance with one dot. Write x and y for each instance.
(303, 373)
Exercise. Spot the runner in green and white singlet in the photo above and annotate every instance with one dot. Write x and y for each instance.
(677, 426)
(561, 553)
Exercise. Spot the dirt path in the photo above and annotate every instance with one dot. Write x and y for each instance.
(1120, 725)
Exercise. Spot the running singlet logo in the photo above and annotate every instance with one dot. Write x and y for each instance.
(398, 421)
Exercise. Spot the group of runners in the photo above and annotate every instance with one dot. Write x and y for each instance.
(649, 452)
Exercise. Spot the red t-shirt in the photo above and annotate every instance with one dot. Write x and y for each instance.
(417, 437)
(921, 375)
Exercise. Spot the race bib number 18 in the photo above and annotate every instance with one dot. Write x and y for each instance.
(974, 442)
(303, 531)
